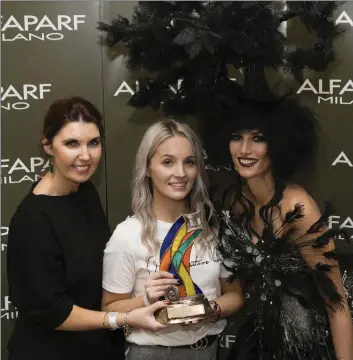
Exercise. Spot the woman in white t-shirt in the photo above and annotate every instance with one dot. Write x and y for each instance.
(169, 180)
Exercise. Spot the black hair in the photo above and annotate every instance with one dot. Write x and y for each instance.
(71, 109)
(290, 130)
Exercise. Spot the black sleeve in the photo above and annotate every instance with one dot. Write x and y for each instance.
(37, 284)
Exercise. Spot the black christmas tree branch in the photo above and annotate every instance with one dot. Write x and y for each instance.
(191, 39)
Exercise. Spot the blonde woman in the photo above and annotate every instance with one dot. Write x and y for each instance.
(169, 180)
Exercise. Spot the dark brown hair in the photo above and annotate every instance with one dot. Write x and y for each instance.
(66, 110)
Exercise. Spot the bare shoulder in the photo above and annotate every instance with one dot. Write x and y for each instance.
(295, 194)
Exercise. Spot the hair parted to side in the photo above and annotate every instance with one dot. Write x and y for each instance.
(142, 196)
(65, 110)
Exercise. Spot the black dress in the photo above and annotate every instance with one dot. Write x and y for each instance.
(55, 255)
(286, 298)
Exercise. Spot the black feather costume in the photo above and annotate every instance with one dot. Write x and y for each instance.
(286, 296)
(196, 45)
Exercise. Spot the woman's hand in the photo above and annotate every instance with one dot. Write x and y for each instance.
(157, 283)
(143, 318)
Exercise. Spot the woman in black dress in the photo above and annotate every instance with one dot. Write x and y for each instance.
(274, 239)
(55, 250)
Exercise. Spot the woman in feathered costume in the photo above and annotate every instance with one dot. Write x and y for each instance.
(277, 243)
(272, 235)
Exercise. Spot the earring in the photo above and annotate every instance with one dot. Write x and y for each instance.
(235, 168)
(51, 166)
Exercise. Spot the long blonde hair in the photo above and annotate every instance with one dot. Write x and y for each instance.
(142, 197)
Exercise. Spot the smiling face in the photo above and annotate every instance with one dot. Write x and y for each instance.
(76, 151)
(249, 152)
(173, 169)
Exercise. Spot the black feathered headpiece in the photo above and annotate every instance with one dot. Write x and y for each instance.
(199, 44)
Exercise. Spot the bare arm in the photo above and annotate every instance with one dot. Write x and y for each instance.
(232, 298)
(341, 323)
(81, 319)
(120, 302)
(340, 319)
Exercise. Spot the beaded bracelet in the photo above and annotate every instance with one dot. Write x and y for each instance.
(216, 310)
(126, 327)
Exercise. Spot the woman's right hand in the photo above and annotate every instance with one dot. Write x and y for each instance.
(157, 283)
(143, 318)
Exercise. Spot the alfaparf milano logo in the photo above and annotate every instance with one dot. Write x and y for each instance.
(19, 97)
(16, 171)
(131, 89)
(344, 223)
(332, 91)
(344, 18)
(4, 233)
(124, 87)
(8, 310)
(343, 159)
(31, 27)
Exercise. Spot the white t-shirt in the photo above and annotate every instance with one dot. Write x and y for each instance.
(127, 263)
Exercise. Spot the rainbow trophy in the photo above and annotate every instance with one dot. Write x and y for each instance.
(186, 301)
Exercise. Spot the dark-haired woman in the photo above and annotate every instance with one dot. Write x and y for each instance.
(55, 250)
(275, 241)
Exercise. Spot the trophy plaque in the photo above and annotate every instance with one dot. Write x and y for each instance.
(186, 301)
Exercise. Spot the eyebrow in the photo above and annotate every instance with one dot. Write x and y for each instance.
(250, 132)
(168, 155)
(73, 139)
